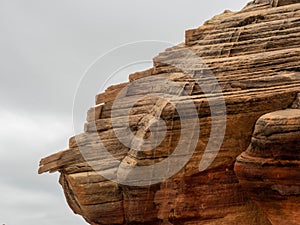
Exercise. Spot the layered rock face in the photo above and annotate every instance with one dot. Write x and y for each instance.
(252, 177)
(269, 169)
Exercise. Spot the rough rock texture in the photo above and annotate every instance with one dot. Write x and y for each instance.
(270, 168)
(254, 54)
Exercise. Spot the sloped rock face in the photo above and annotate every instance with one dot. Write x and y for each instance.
(254, 55)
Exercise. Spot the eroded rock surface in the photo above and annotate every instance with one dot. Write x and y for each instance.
(269, 169)
(254, 54)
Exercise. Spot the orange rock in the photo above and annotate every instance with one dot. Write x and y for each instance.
(254, 55)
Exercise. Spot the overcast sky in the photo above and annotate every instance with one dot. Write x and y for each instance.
(46, 46)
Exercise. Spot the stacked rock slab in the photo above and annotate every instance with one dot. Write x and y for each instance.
(254, 54)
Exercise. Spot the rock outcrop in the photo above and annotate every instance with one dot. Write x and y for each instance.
(269, 169)
(252, 177)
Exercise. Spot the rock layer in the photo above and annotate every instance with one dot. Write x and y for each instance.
(254, 55)
(269, 170)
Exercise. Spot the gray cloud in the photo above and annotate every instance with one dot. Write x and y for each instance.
(27, 198)
(45, 48)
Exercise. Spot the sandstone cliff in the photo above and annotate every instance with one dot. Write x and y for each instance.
(251, 177)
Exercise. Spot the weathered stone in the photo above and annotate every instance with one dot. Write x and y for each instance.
(269, 170)
(254, 54)
(296, 103)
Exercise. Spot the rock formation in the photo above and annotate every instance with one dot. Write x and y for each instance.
(253, 178)
(269, 169)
